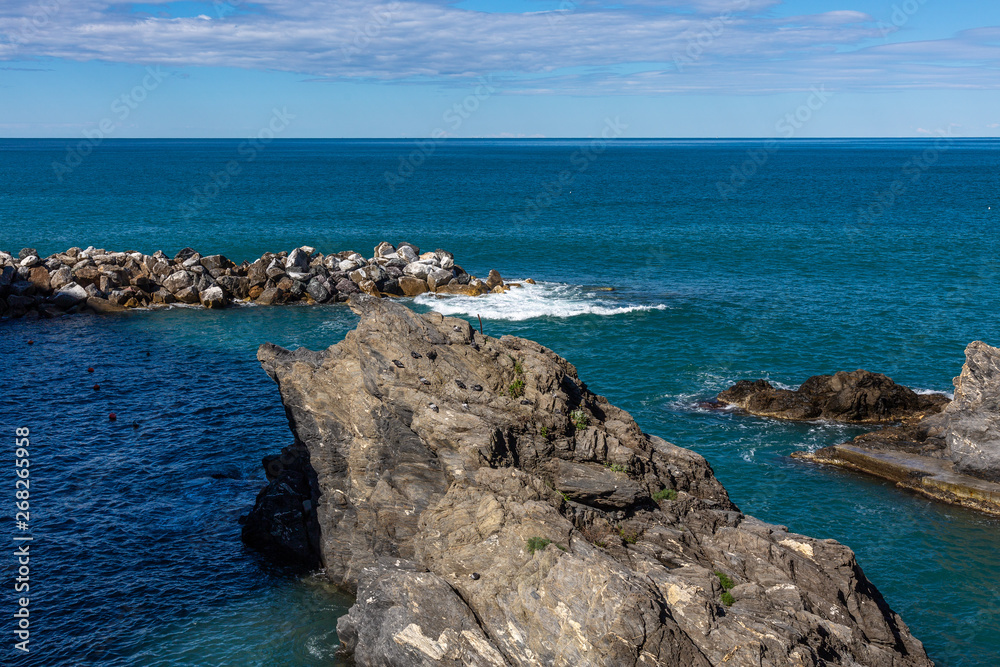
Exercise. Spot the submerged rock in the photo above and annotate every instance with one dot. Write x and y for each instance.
(953, 455)
(860, 397)
(532, 522)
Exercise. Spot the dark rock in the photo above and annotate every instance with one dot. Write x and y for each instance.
(216, 263)
(347, 286)
(415, 501)
(237, 286)
(283, 522)
(184, 255)
(318, 291)
(859, 397)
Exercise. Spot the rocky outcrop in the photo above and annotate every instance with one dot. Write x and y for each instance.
(486, 508)
(953, 455)
(859, 397)
(96, 280)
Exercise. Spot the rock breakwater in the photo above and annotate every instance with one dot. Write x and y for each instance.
(97, 280)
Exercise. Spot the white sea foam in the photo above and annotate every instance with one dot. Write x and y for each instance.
(532, 301)
(926, 392)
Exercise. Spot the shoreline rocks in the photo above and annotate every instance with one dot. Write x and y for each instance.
(859, 397)
(485, 507)
(952, 455)
(100, 281)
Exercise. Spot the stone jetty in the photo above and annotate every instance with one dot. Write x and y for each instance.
(485, 507)
(98, 280)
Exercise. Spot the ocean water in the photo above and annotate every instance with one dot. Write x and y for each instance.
(818, 256)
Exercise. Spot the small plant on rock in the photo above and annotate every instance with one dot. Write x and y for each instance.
(579, 419)
(615, 467)
(628, 536)
(727, 584)
(665, 494)
(516, 389)
(536, 544)
(545, 432)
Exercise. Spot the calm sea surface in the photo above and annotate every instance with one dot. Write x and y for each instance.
(830, 255)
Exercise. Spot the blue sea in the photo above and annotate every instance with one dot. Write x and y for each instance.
(666, 271)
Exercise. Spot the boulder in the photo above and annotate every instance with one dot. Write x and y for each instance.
(25, 253)
(86, 275)
(385, 249)
(347, 286)
(455, 287)
(515, 525)
(213, 297)
(238, 286)
(183, 255)
(438, 278)
(216, 263)
(271, 296)
(30, 261)
(177, 281)
(189, 295)
(60, 277)
(39, 277)
(408, 253)
(298, 260)
(317, 289)
(859, 397)
(412, 286)
(494, 279)
(418, 270)
(73, 290)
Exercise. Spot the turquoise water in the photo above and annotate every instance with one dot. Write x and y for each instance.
(138, 554)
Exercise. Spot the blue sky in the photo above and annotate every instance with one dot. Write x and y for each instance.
(500, 68)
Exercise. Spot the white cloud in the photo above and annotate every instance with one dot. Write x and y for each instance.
(641, 47)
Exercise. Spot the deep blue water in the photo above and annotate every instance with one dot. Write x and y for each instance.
(137, 558)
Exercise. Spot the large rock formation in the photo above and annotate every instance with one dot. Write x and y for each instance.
(487, 508)
(859, 397)
(953, 455)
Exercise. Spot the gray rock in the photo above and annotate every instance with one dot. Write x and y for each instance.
(238, 286)
(971, 423)
(298, 261)
(73, 290)
(30, 261)
(408, 253)
(177, 281)
(418, 270)
(437, 278)
(415, 500)
(318, 291)
(385, 249)
(26, 252)
(60, 277)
